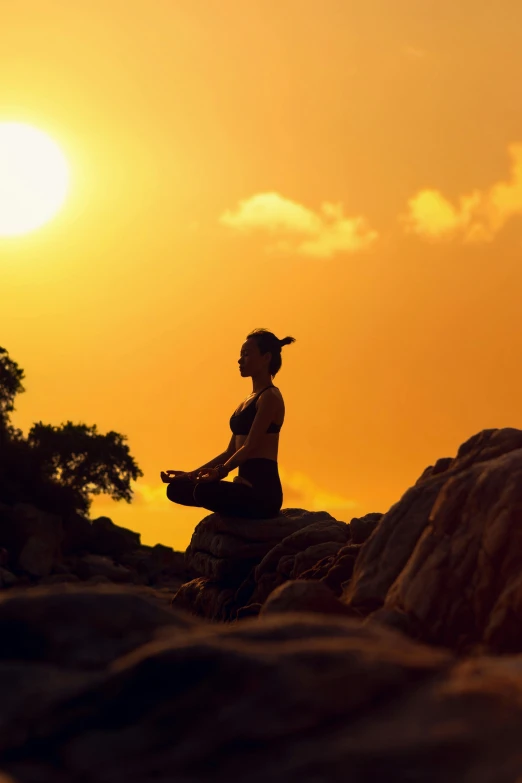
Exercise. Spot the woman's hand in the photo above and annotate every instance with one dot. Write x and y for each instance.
(207, 474)
(170, 475)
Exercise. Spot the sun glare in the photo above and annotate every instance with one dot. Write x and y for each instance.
(34, 178)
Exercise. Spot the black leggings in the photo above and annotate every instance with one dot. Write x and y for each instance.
(263, 499)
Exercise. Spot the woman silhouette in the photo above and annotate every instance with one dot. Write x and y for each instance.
(256, 492)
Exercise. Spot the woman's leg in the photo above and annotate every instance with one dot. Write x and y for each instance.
(224, 497)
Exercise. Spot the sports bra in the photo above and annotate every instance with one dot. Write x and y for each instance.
(240, 423)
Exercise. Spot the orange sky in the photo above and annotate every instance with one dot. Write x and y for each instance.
(347, 173)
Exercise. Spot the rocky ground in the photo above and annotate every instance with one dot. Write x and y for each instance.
(299, 648)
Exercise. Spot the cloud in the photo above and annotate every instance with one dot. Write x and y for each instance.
(298, 229)
(301, 489)
(479, 215)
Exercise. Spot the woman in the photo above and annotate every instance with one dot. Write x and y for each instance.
(255, 425)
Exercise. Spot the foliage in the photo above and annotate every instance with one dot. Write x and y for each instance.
(57, 468)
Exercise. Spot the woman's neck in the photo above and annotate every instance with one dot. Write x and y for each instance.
(258, 384)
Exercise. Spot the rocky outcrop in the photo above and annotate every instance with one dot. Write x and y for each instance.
(306, 596)
(41, 548)
(99, 684)
(241, 561)
(444, 564)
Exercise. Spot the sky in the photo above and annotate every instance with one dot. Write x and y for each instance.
(347, 173)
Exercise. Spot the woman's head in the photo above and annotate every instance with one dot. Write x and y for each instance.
(262, 349)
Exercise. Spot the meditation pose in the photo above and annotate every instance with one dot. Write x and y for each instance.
(256, 492)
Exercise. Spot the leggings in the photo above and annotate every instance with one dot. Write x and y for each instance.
(263, 499)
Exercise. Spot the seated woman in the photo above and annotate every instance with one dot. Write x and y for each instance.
(255, 425)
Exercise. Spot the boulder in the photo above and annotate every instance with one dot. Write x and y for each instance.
(225, 548)
(80, 626)
(278, 564)
(90, 566)
(110, 539)
(446, 556)
(32, 537)
(302, 595)
(335, 570)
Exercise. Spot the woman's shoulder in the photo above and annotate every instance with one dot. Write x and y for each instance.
(275, 392)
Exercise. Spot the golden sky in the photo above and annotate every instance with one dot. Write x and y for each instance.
(348, 173)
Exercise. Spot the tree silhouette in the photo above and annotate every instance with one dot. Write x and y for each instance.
(82, 459)
(11, 376)
(58, 467)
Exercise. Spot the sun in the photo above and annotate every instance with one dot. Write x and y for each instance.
(34, 178)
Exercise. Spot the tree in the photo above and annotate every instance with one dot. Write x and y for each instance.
(58, 467)
(85, 461)
(11, 376)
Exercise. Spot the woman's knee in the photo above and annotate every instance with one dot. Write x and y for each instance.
(179, 491)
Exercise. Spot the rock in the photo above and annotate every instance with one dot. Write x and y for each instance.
(32, 537)
(279, 698)
(361, 528)
(448, 552)
(110, 539)
(278, 564)
(251, 610)
(7, 579)
(30, 692)
(386, 553)
(205, 598)
(90, 566)
(225, 548)
(157, 563)
(55, 579)
(78, 534)
(303, 561)
(335, 570)
(301, 595)
(80, 626)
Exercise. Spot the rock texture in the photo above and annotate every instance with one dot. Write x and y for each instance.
(241, 561)
(386, 648)
(444, 563)
(41, 548)
(284, 697)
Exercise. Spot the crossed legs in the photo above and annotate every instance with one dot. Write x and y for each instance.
(226, 497)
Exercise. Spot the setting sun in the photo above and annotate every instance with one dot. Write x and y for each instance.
(34, 178)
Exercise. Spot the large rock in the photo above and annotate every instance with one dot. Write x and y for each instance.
(80, 627)
(225, 548)
(89, 566)
(279, 563)
(301, 595)
(445, 560)
(286, 698)
(32, 537)
(388, 550)
(156, 563)
(110, 539)
(335, 570)
(205, 598)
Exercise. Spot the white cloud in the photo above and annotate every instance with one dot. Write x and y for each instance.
(298, 229)
(479, 216)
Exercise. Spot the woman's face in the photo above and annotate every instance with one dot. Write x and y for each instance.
(250, 360)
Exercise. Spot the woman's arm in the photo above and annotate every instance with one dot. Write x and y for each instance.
(236, 459)
(219, 460)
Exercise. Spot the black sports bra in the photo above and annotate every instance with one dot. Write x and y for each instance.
(240, 423)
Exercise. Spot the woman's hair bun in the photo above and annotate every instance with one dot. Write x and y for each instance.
(286, 341)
